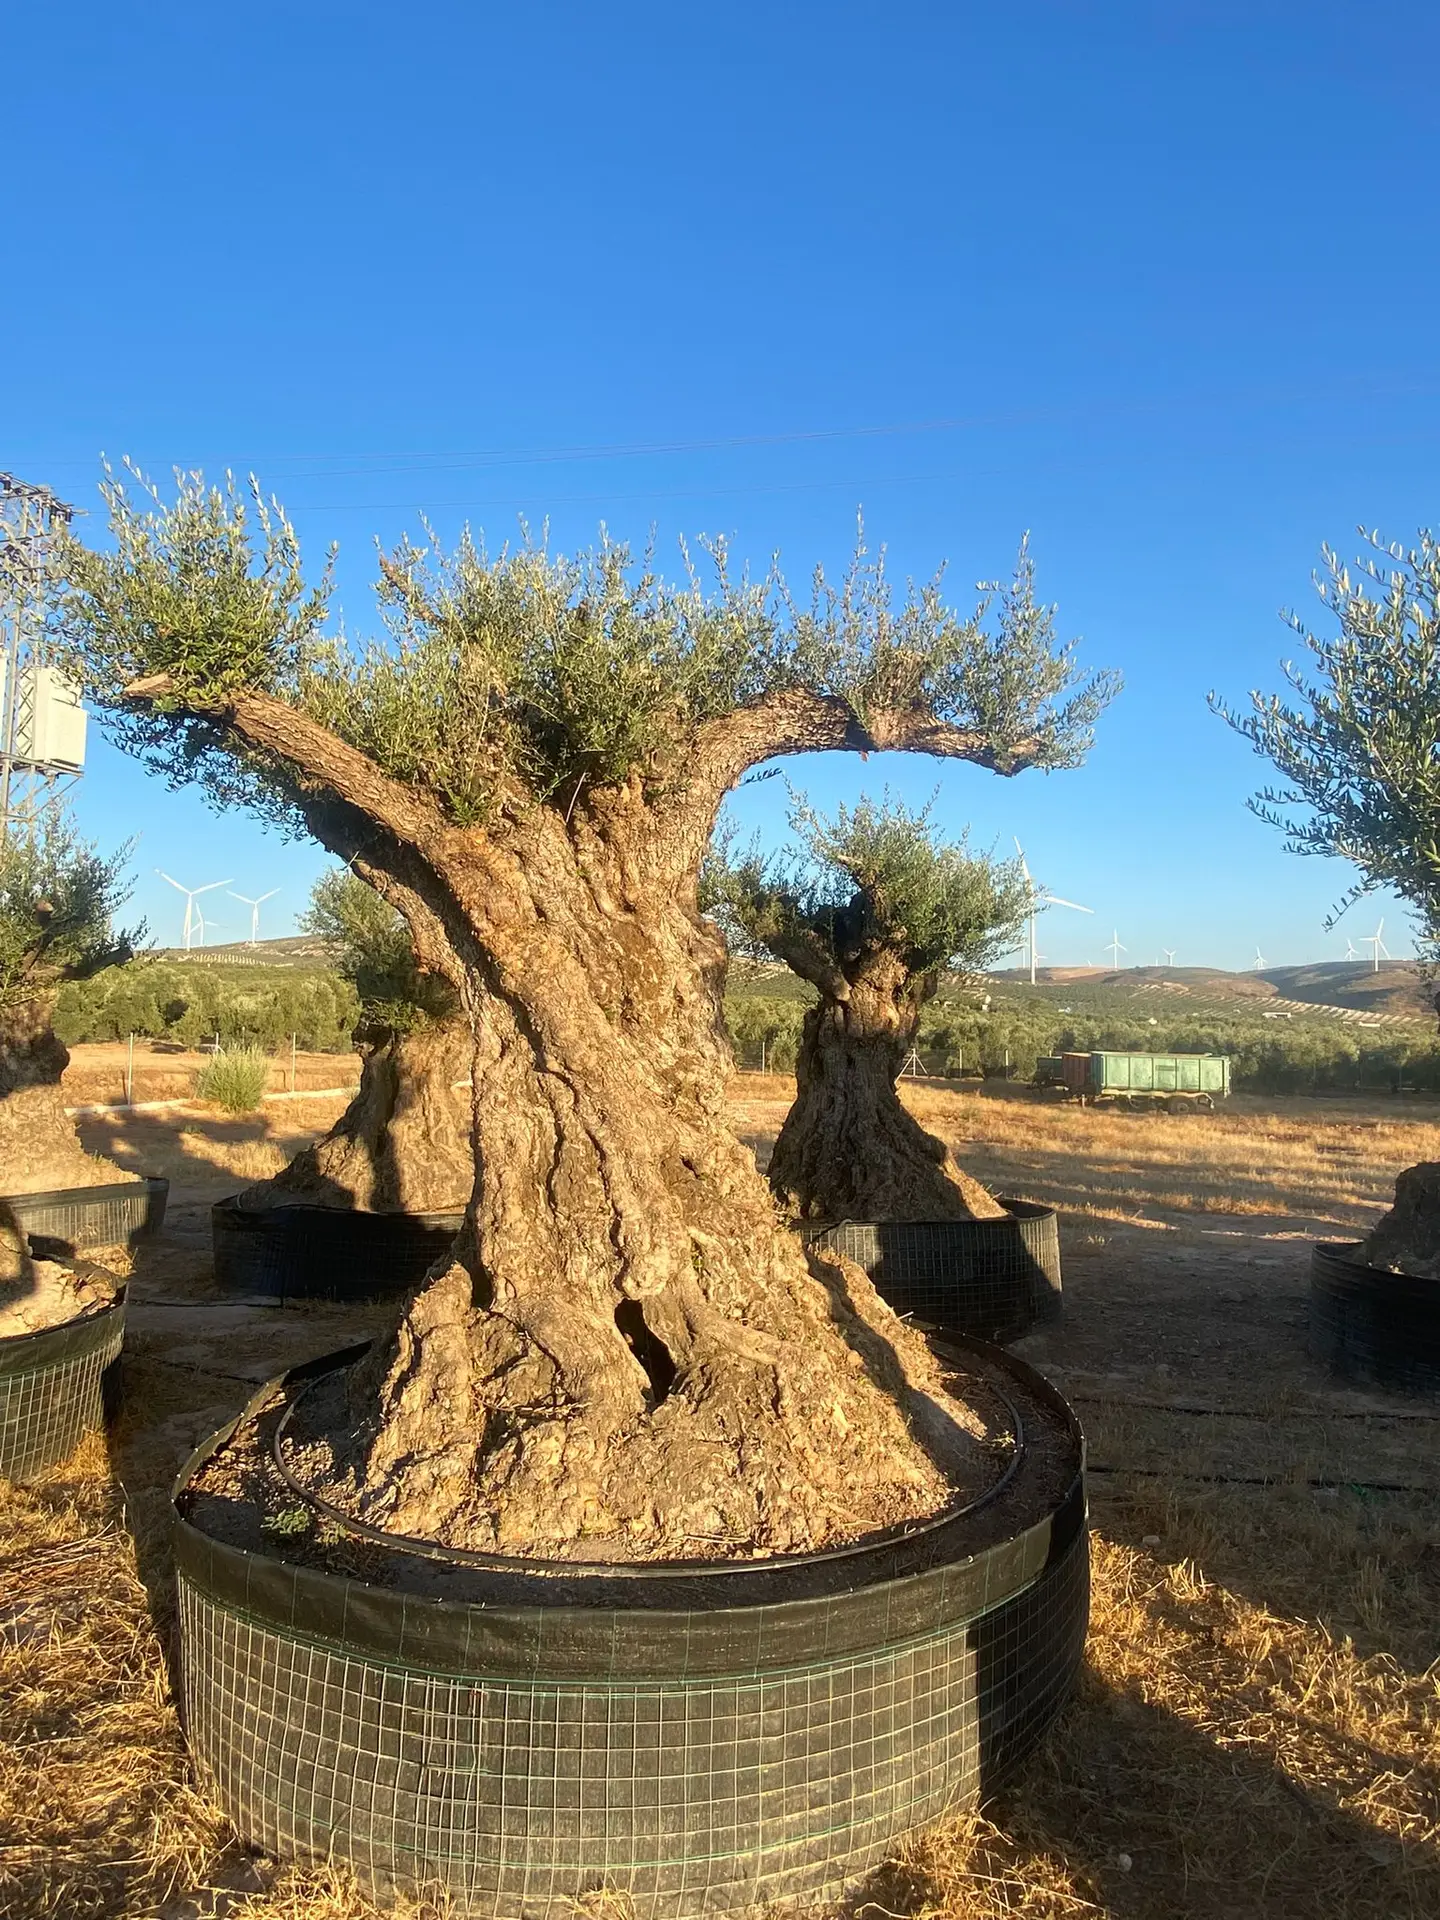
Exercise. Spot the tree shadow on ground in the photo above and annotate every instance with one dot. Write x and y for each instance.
(142, 1143)
(1132, 1812)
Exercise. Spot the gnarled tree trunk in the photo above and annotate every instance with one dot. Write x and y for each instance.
(403, 1144)
(632, 1356)
(39, 1148)
(848, 1149)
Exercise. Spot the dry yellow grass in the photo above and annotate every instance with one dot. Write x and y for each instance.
(1258, 1727)
(1330, 1161)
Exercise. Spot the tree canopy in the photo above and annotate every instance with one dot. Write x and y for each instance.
(873, 879)
(525, 675)
(1358, 747)
(58, 901)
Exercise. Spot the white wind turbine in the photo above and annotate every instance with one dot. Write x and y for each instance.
(255, 906)
(1038, 903)
(1169, 953)
(1259, 961)
(1114, 949)
(1376, 945)
(1350, 952)
(193, 915)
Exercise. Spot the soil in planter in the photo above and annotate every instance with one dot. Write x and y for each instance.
(240, 1498)
(36, 1293)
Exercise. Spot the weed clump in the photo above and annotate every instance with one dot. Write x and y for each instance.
(235, 1081)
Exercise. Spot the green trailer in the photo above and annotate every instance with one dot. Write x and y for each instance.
(1176, 1081)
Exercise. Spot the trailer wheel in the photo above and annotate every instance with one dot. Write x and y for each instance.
(1177, 1103)
(1205, 1103)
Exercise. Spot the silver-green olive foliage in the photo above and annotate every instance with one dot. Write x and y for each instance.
(524, 672)
(58, 901)
(870, 880)
(372, 949)
(1358, 746)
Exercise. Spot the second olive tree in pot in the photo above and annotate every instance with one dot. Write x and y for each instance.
(631, 1373)
(366, 1209)
(872, 909)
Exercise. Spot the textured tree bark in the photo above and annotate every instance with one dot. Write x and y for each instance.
(848, 1149)
(402, 1145)
(39, 1148)
(631, 1356)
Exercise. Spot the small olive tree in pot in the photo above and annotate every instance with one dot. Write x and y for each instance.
(872, 911)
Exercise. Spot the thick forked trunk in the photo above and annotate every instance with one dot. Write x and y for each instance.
(633, 1357)
(403, 1143)
(848, 1149)
(39, 1149)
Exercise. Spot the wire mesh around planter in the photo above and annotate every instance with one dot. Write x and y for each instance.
(697, 1745)
(992, 1279)
(93, 1216)
(55, 1387)
(326, 1253)
(1370, 1325)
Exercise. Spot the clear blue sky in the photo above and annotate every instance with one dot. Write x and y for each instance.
(1155, 281)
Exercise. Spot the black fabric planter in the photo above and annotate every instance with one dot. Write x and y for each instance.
(326, 1253)
(696, 1740)
(93, 1216)
(1372, 1326)
(991, 1279)
(55, 1387)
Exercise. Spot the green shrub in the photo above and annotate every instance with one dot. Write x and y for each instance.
(235, 1081)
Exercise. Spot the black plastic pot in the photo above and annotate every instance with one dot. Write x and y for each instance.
(1372, 1326)
(990, 1279)
(55, 1387)
(698, 1739)
(326, 1253)
(93, 1216)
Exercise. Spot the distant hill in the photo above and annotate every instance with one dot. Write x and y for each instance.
(1398, 986)
(298, 950)
(1351, 988)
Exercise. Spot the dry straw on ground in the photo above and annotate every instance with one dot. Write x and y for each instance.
(1258, 1727)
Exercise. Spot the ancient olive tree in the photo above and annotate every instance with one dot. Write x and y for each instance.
(403, 1143)
(1357, 748)
(630, 1355)
(58, 900)
(871, 909)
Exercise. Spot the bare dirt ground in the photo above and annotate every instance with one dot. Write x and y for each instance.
(96, 1074)
(1258, 1728)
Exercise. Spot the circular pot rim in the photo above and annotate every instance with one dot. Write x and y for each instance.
(1336, 1253)
(525, 1584)
(1017, 1210)
(230, 1209)
(13, 1345)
